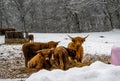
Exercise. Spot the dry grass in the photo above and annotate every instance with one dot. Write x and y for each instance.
(14, 68)
(15, 41)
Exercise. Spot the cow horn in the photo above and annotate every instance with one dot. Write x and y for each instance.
(58, 41)
(86, 36)
(70, 36)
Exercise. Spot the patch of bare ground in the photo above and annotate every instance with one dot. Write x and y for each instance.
(14, 69)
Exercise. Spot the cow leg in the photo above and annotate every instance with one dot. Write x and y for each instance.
(26, 61)
(61, 62)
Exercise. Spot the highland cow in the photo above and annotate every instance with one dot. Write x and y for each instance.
(29, 49)
(47, 53)
(60, 57)
(42, 59)
(37, 62)
(76, 45)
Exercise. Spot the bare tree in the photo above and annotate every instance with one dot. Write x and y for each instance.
(23, 7)
(60, 15)
(112, 9)
(1, 13)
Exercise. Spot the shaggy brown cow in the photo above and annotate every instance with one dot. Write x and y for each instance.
(37, 62)
(30, 38)
(47, 53)
(29, 49)
(76, 44)
(42, 59)
(60, 57)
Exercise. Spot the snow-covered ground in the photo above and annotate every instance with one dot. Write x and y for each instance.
(97, 71)
(97, 43)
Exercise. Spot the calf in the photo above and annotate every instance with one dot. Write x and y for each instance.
(42, 59)
(37, 62)
(47, 56)
(76, 44)
(60, 57)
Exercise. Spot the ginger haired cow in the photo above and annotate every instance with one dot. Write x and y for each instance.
(29, 49)
(42, 59)
(37, 62)
(60, 57)
(48, 53)
(76, 44)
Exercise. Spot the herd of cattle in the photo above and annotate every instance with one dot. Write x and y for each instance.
(41, 55)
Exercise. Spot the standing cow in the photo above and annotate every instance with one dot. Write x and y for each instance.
(42, 59)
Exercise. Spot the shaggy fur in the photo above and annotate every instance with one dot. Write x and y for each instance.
(76, 45)
(37, 62)
(29, 49)
(71, 53)
(60, 57)
(47, 53)
(42, 59)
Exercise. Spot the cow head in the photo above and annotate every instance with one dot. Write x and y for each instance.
(53, 44)
(78, 41)
(46, 53)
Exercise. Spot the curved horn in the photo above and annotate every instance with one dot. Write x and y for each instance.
(86, 36)
(58, 41)
(69, 36)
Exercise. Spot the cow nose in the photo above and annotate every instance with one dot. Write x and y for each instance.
(78, 45)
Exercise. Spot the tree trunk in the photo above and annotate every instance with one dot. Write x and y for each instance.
(24, 27)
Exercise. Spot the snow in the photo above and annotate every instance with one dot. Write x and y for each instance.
(10, 51)
(97, 43)
(94, 44)
(1, 39)
(97, 71)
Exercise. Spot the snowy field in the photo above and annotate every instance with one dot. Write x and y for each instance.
(96, 44)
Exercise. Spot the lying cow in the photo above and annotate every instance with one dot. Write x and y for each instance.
(42, 59)
(60, 57)
(76, 44)
(29, 49)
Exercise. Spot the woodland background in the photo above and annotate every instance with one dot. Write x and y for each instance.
(60, 16)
